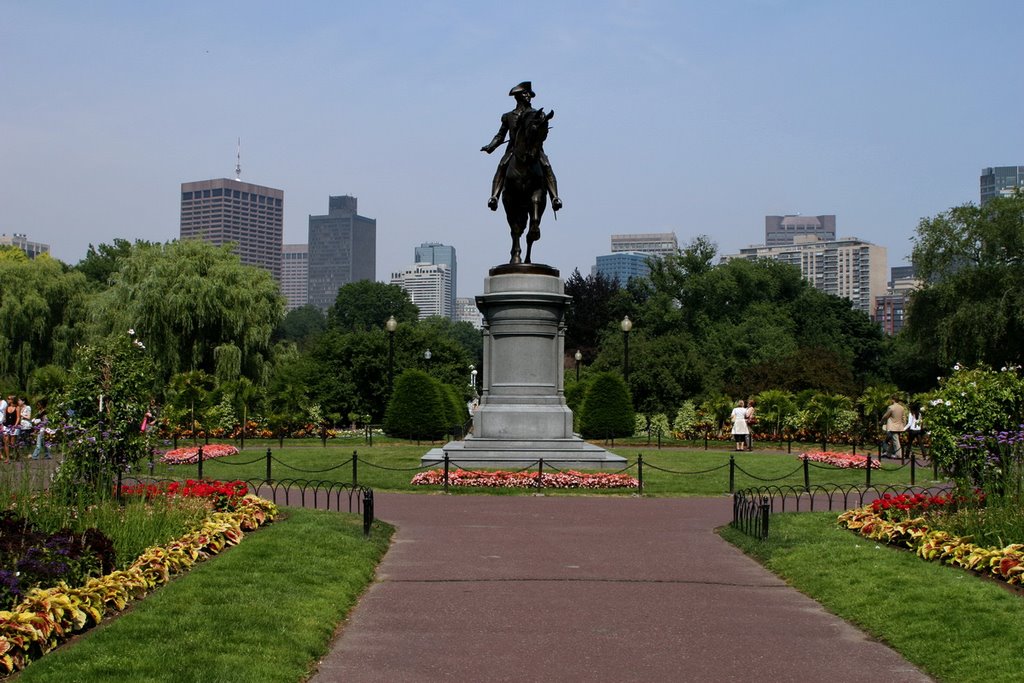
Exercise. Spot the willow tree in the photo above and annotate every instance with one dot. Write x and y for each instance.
(41, 311)
(188, 298)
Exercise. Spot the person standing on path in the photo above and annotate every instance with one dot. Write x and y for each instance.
(751, 419)
(894, 421)
(740, 431)
(915, 428)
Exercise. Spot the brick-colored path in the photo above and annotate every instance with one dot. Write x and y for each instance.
(500, 588)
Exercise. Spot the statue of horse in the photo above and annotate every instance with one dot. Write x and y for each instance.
(525, 190)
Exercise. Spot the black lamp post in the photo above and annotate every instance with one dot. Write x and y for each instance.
(626, 326)
(578, 357)
(391, 325)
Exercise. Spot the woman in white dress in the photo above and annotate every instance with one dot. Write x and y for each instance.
(739, 425)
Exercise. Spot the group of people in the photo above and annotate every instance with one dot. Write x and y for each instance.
(743, 417)
(898, 420)
(18, 421)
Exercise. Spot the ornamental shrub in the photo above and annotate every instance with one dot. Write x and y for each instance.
(417, 407)
(607, 408)
(979, 402)
(106, 396)
(686, 421)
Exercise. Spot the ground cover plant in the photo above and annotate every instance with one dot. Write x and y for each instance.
(253, 614)
(953, 625)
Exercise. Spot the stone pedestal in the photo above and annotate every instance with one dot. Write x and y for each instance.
(522, 416)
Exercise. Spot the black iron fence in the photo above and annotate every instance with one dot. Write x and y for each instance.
(753, 507)
(307, 493)
(540, 465)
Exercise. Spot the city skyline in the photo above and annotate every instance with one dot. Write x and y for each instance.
(695, 119)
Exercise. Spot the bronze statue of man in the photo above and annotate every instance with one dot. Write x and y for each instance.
(509, 125)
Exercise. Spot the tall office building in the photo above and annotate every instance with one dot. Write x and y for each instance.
(436, 253)
(226, 211)
(848, 267)
(624, 265)
(342, 250)
(295, 274)
(1000, 181)
(656, 243)
(784, 229)
(430, 288)
(31, 249)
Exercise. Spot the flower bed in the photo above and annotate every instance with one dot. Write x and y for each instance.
(190, 454)
(223, 495)
(841, 460)
(1005, 564)
(47, 617)
(570, 479)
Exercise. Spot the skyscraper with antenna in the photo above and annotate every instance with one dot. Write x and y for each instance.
(225, 211)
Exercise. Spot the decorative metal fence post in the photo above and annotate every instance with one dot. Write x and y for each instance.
(200, 461)
(540, 473)
(807, 475)
(732, 474)
(913, 469)
(640, 470)
(367, 511)
(764, 510)
(867, 468)
(446, 463)
(268, 466)
(355, 468)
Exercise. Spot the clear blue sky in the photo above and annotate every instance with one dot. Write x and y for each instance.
(693, 117)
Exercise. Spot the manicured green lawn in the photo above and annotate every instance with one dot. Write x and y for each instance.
(264, 610)
(389, 465)
(952, 624)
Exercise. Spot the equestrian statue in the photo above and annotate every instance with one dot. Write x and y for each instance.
(524, 178)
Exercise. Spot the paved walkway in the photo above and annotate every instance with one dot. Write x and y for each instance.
(534, 588)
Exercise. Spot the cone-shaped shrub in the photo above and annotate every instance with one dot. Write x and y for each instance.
(418, 407)
(607, 408)
(455, 413)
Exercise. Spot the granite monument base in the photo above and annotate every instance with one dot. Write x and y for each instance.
(522, 417)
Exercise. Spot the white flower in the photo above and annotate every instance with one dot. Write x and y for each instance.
(956, 367)
(949, 403)
(131, 331)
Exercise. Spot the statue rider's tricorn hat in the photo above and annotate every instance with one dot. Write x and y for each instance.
(524, 87)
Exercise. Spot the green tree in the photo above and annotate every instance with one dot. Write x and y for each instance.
(417, 409)
(302, 325)
(105, 399)
(41, 315)
(363, 306)
(593, 310)
(607, 408)
(100, 263)
(186, 299)
(971, 307)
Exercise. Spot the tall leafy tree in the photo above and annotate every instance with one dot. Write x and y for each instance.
(366, 305)
(971, 308)
(189, 297)
(100, 263)
(42, 314)
(596, 305)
